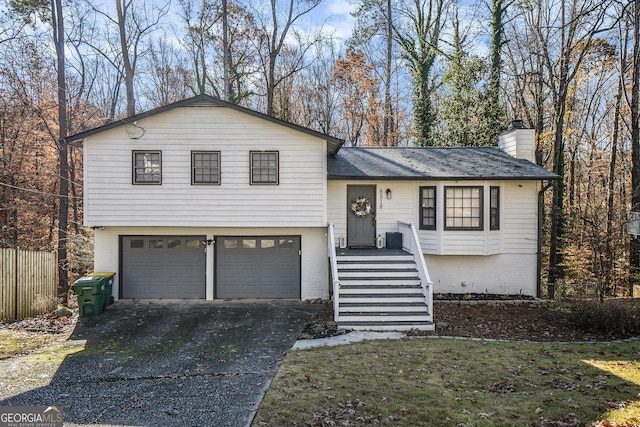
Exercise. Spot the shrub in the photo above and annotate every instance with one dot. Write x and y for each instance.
(614, 318)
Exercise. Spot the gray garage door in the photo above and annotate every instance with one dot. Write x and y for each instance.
(163, 267)
(258, 267)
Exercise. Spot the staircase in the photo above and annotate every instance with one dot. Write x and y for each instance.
(381, 290)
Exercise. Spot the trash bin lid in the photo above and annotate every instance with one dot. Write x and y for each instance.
(107, 275)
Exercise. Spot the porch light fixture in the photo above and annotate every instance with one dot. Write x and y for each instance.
(389, 194)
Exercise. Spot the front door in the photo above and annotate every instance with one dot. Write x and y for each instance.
(361, 215)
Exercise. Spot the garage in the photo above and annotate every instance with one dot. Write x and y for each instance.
(163, 266)
(258, 266)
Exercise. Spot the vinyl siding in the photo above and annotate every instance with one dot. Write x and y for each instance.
(112, 200)
(518, 216)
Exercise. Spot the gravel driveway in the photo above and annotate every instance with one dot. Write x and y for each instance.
(161, 363)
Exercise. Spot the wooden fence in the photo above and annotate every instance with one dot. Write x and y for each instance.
(28, 283)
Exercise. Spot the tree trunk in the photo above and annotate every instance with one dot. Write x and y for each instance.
(225, 48)
(63, 202)
(609, 242)
(634, 254)
(558, 220)
(388, 117)
(126, 60)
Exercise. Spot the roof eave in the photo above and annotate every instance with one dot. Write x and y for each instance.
(333, 144)
(444, 178)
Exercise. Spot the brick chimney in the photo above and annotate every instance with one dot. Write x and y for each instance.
(518, 141)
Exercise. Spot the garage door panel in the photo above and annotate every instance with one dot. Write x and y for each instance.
(258, 267)
(163, 267)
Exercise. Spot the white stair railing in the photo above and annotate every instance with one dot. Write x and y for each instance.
(333, 261)
(411, 244)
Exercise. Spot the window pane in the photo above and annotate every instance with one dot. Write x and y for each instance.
(463, 208)
(249, 244)
(230, 244)
(137, 244)
(147, 167)
(285, 243)
(494, 208)
(194, 244)
(267, 243)
(155, 244)
(205, 167)
(264, 168)
(174, 243)
(428, 208)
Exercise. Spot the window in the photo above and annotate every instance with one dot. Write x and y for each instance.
(147, 167)
(427, 208)
(463, 208)
(194, 244)
(205, 167)
(156, 243)
(494, 208)
(264, 167)
(174, 243)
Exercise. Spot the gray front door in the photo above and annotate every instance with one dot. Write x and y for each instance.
(163, 266)
(258, 266)
(361, 215)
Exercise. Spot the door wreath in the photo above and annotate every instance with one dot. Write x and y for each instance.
(361, 207)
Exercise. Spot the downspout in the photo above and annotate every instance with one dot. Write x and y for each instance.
(539, 248)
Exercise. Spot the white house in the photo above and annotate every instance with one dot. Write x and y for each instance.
(206, 199)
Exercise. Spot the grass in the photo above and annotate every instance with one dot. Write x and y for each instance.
(444, 382)
(13, 343)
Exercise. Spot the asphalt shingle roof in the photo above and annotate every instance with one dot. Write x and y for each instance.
(458, 163)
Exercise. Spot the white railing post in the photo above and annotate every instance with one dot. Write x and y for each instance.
(335, 280)
(416, 250)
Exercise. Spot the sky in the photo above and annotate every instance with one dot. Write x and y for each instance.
(338, 14)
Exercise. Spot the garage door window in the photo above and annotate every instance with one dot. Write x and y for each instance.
(286, 243)
(174, 243)
(137, 244)
(249, 244)
(155, 244)
(194, 244)
(267, 243)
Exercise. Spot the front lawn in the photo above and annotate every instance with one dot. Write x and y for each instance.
(450, 382)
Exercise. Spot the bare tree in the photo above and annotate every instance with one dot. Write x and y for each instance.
(133, 23)
(275, 27)
(567, 29)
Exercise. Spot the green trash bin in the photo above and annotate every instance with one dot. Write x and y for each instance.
(90, 291)
(108, 287)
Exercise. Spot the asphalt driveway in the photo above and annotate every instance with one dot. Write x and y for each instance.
(172, 363)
